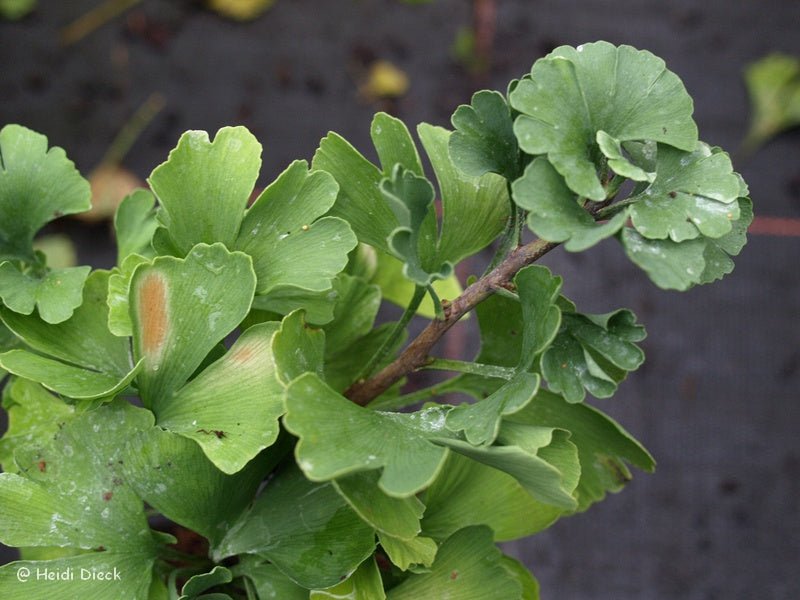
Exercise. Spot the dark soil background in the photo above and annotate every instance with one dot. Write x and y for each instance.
(716, 402)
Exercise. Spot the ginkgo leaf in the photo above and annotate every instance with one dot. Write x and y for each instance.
(475, 210)
(37, 185)
(289, 243)
(72, 493)
(410, 198)
(592, 353)
(575, 93)
(56, 294)
(305, 529)
(604, 447)
(468, 565)
(231, 408)
(480, 421)
(134, 224)
(338, 437)
(459, 495)
(681, 265)
(82, 358)
(396, 517)
(364, 584)
(268, 580)
(197, 584)
(405, 554)
(484, 141)
(172, 475)
(394, 144)
(180, 309)
(34, 415)
(554, 213)
(693, 195)
(773, 84)
(203, 187)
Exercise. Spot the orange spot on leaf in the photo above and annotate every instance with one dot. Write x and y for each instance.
(42, 466)
(454, 575)
(153, 313)
(242, 354)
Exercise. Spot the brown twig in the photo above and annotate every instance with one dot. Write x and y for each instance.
(416, 353)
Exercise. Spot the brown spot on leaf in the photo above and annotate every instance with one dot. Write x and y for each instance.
(154, 320)
(42, 465)
(453, 575)
(242, 354)
(672, 194)
(107, 496)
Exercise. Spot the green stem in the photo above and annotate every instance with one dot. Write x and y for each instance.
(610, 211)
(399, 327)
(398, 402)
(131, 131)
(461, 366)
(511, 236)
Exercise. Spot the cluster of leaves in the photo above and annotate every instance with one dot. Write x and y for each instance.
(239, 327)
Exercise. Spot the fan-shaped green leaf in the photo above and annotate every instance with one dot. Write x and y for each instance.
(34, 415)
(306, 529)
(394, 144)
(484, 141)
(468, 566)
(181, 308)
(397, 517)
(405, 554)
(198, 584)
(269, 581)
(172, 475)
(203, 187)
(289, 246)
(574, 93)
(338, 437)
(231, 408)
(475, 210)
(88, 361)
(459, 495)
(692, 195)
(679, 266)
(37, 185)
(359, 201)
(604, 447)
(554, 213)
(56, 294)
(134, 224)
(592, 353)
(364, 584)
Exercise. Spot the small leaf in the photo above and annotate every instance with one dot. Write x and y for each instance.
(718, 251)
(555, 214)
(205, 581)
(181, 308)
(37, 185)
(172, 475)
(119, 288)
(289, 246)
(484, 141)
(203, 187)
(474, 210)
(396, 517)
(328, 425)
(88, 361)
(55, 294)
(34, 416)
(394, 144)
(480, 422)
(269, 581)
(298, 349)
(305, 529)
(364, 584)
(459, 495)
(612, 149)
(398, 290)
(592, 353)
(134, 224)
(359, 202)
(231, 408)
(410, 197)
(574, 93)
(404, 554)
(468, 566)
(603, 445)
(692, 195)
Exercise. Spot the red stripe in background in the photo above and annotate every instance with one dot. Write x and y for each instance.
(775, 226)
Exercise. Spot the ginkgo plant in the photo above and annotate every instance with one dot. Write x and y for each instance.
(227, 379)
